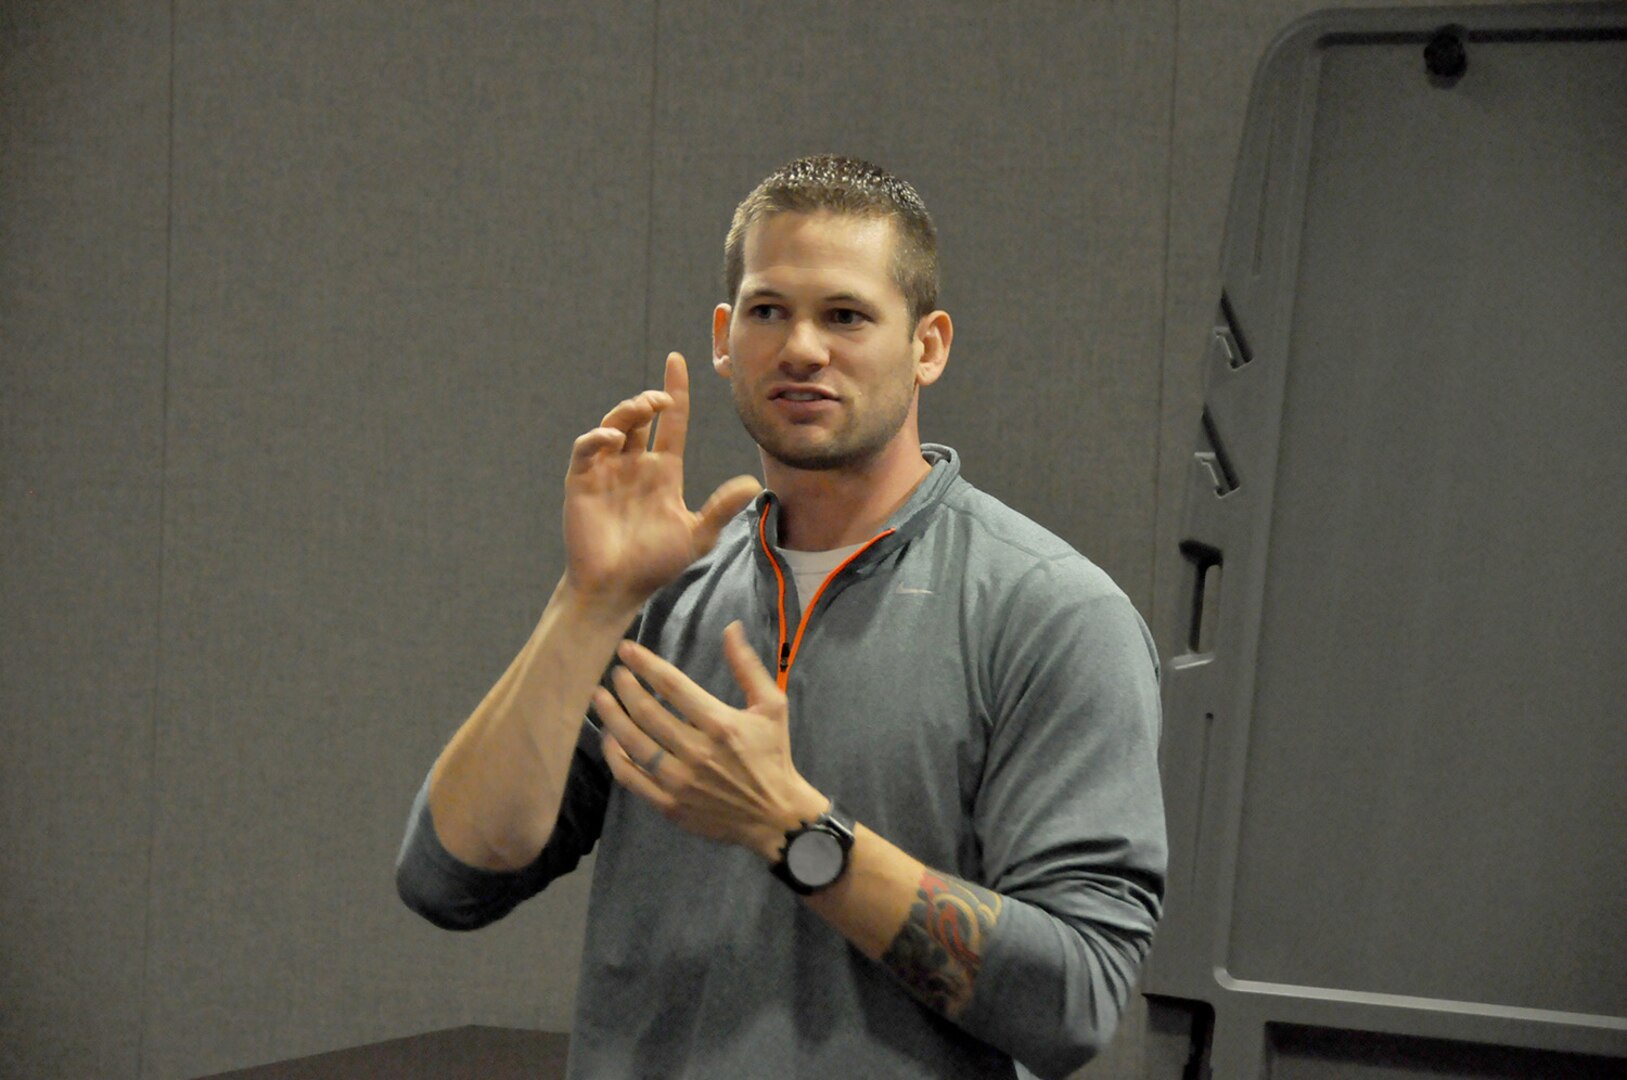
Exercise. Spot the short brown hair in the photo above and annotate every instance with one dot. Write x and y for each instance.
(841, 185)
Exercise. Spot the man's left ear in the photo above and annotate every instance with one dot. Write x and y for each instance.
(932, 337)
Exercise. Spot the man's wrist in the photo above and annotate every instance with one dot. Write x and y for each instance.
(802, 809)
(595, 608)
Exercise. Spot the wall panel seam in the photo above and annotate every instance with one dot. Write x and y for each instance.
(654, 378)
(1165, 314)
(147, 990)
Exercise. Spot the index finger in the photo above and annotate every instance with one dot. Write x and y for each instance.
(685, 695)
(674, 425)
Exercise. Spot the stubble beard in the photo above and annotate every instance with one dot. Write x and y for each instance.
(857, 441)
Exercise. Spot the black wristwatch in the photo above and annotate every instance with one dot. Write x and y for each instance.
(815, 855)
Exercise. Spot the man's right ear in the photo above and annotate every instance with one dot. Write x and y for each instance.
(720, 339)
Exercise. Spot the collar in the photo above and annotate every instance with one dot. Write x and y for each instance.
(907, 522)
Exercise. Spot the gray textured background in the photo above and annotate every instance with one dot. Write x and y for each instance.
(301, 305)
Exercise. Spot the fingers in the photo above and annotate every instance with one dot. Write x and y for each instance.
(642, 738)
(626, 428)
(652, 718)
(633, 778)
(747, 666)
(635, 416)
(589, 446)
(688, 697)
(674, 427)
(728, 500)
(636, 410)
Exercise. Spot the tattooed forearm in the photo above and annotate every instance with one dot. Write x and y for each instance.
(938, 951)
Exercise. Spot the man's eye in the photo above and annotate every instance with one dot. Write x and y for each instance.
(763, 311)
(846, 317)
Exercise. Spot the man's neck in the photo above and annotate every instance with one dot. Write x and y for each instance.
(832, 508)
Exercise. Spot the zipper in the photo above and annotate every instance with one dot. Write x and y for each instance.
(790, 645)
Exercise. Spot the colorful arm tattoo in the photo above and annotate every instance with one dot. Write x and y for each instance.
(940, 947)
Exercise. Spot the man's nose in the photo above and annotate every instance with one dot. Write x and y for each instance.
(805, 348)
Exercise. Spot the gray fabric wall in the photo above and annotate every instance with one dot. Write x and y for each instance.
(301, 305)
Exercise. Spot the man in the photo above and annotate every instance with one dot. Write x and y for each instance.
(926, 838)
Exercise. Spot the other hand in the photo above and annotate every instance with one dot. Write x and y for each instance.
(726, 774)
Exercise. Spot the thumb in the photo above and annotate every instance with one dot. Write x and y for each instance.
(728, 500)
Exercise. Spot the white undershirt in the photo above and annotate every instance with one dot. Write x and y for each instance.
(810, 568)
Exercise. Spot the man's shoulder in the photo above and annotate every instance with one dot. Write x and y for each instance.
(1002, 543)
(998, 523)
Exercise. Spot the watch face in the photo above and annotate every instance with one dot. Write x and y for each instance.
(814, 858)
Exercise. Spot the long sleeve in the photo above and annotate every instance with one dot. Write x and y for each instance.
(456, 896)
(1070, 818)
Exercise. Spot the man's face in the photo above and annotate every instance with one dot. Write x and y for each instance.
(819, 347)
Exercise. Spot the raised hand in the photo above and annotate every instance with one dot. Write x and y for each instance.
(628, 530)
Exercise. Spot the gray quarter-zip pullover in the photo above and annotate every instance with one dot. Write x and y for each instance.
(967, 686)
